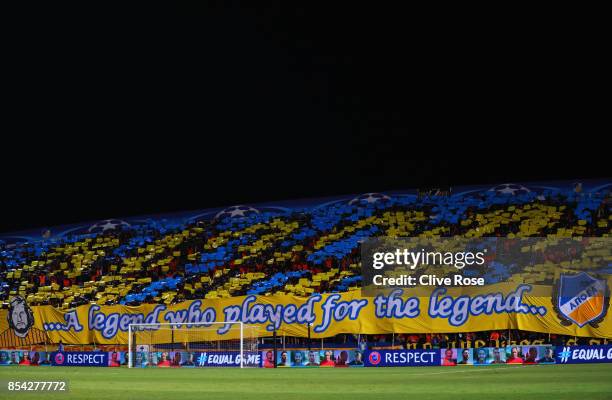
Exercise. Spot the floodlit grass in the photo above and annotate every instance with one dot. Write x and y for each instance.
(557, 382)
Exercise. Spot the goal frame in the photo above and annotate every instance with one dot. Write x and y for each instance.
(183, 324)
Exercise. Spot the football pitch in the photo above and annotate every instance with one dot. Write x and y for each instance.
(557, 382)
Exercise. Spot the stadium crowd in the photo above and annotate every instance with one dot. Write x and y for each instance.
(299, 252)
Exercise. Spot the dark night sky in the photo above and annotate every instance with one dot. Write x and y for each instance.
(238, 105)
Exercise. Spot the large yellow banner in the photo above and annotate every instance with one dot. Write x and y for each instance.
(501, 306)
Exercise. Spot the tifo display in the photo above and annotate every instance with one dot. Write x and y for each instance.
(216, 287)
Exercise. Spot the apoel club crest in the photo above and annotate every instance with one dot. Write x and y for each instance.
(581, 299)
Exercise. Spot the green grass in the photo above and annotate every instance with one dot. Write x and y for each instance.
(557, 382)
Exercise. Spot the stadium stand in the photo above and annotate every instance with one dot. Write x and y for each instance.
(299, 251)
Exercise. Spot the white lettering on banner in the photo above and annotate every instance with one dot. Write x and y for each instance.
(250, 312)
(110, 324)
(411, 357)
(459, 309)
(228, 359)
(84, 358)
(591, 354)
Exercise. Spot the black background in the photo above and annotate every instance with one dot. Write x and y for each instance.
(231, 104)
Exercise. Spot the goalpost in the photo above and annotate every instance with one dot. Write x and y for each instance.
(192, 344)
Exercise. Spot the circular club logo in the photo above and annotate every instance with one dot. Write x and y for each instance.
(59, 358)
(374, 358)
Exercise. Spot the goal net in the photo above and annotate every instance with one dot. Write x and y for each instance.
(216, 344)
